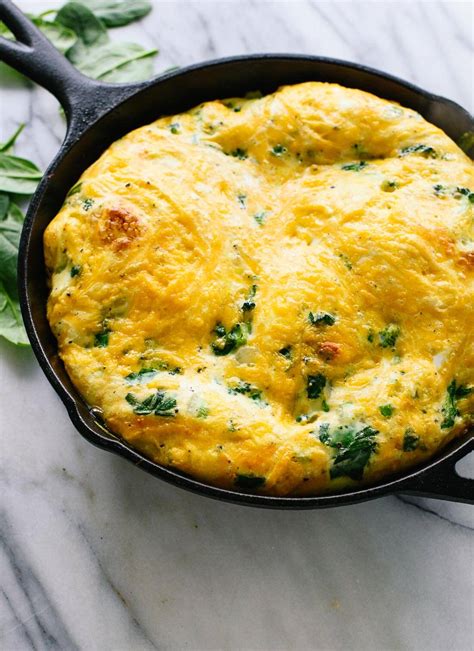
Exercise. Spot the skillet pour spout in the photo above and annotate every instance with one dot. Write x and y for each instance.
(97, 115)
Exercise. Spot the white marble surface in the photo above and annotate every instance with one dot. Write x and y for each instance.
(96, 555)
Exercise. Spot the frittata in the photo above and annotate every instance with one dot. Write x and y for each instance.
(273, 294)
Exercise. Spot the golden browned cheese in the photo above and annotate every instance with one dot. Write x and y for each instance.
(273, 294)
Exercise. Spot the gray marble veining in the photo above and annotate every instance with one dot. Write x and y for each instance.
(97, 556)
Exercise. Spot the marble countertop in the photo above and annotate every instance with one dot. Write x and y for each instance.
(96, 555)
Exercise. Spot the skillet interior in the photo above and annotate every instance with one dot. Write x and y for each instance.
(173, 93)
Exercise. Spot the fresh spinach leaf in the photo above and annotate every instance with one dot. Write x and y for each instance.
(11, 324)
(10, 231)
(116, 13)
(15, 212)
(18, 175)
(4, 205)
(90, 31)
(60, 36)
(5, 147)
(63, 38)
(118, 62)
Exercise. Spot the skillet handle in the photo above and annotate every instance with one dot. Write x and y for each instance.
(443, 482)
(83, 99)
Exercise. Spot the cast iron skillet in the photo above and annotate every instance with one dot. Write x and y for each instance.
(98, 114)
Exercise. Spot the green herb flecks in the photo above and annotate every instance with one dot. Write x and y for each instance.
(278, 150)
(410, 440)
(286, 352)
(229, 340)
(345, 260)
(242, 199)
(260, 217)
(249, 304)
(202, 412)
(143, 375)
(246, 389)
(147, 373)
(159, 403)
(389, 186)
(423, 150)
(354, 447)
(386, 410)
(314, 385)
(321, 319)
(169, 368)
(354, 167)
(449, 409)
(75, 270)
(389, 335)
(464, 192)
(87, 204)
(455, 191)
(249, 481)
(101, 339)
(239, 153)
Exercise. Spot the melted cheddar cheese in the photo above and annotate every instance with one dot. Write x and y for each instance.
(273, 294)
